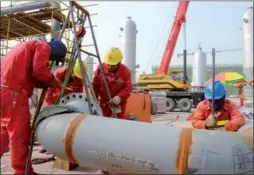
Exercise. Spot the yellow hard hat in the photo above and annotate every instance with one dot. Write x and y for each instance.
(77, 71)
(113, 56)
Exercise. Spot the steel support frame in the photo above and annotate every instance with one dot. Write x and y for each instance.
(76, 50)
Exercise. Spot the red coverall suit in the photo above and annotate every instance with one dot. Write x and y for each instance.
(227, 112)
(53, 93)
(24, 64)
(119, 84)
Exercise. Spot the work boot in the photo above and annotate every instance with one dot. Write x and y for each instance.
(37, 173)
(105, 172)
(43, 151)
(132, 117)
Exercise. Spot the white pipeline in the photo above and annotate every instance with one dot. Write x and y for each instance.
(25, 7)
(131, 147)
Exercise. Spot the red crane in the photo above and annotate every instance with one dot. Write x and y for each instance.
(173, 36)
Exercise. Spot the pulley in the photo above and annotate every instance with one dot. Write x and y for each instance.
(81, 31)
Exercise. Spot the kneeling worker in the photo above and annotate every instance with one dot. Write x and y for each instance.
(118, 77)
(224, 109)
(75, 85)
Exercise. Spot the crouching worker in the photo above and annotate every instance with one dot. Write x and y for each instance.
(118, 77)
(26, 63)
(226, 113)
(75, 86)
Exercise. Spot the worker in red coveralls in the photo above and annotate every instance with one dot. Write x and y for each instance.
(118, 77)
(225, 110)
(25, 65)
(75, 84)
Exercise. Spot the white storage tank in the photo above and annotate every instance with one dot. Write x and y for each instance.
(89, 61)
(129, 32)
(199, 68)
(248, 49)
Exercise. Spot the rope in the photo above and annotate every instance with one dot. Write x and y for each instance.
(159, 39)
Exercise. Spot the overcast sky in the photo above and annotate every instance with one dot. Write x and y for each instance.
(212, 24)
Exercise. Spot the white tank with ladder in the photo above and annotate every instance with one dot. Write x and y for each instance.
(129, 32)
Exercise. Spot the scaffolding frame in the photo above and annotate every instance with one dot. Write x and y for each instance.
(25, 26)
(83, 16)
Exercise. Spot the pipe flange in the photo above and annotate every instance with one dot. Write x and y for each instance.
(72, 96)
(52, 110)
(80, 101)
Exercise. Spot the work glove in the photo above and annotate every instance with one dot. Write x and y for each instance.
(116, 109)
(38, 84)
(211, 121)
(115, 101)
(230, 127)
(55, 83)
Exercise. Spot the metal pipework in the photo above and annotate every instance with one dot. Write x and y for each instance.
(26, 7)
(184, 55)
(37, 5)
(84, 74)
(131, 147)
(79, 100)
(213, 78)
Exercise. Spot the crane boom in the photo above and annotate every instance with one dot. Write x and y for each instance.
(173, 36)
(173, 83)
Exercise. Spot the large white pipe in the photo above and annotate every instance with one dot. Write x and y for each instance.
(248, 49)
(25, 7)
(56, 26)
(130, 147)
(129, 46)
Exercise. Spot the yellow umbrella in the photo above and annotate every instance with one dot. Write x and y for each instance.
(243, 82)
(228, 78)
